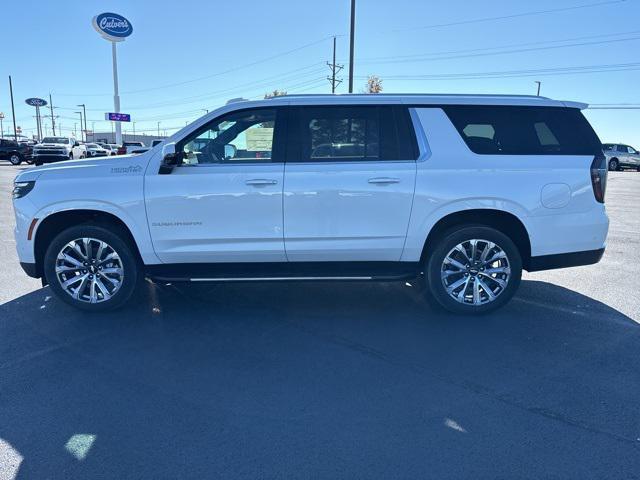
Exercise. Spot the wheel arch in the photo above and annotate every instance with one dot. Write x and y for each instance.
(56, 222)
(505, 222)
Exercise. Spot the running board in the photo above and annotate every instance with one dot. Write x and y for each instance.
(283, 272)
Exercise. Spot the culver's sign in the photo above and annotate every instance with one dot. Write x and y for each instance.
(112, 26)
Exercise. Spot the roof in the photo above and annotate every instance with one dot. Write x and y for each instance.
(424, 99)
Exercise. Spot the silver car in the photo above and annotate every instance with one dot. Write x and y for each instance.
(621, 156)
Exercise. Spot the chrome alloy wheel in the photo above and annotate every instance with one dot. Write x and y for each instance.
(89, 270)
(475, 272)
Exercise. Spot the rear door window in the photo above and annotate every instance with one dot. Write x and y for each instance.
(513, 130)
(338, 133)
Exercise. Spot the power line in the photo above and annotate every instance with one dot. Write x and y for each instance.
(506, 50)
(521, 73)
(515, 15)
(205, 77)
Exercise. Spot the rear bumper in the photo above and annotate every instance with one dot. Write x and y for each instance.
(30, 269)
(564, 260)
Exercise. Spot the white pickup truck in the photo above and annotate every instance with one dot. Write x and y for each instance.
(57, 149)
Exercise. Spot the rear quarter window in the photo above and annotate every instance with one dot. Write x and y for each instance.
(515, 130)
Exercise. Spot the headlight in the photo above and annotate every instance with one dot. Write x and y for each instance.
(20, 189)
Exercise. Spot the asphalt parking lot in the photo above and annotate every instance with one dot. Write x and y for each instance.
(318, 380)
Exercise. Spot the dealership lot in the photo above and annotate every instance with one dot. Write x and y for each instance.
(327, 380)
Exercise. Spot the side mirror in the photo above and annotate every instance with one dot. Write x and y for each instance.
(170, 158)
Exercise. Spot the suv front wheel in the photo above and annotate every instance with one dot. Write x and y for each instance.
(92, 268)
(473, 270)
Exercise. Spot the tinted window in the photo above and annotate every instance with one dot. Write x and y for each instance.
(509, 130)
(242, 136)
(621, 148)
(353, 133)
(608, 146)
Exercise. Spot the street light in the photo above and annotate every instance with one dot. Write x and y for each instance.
(85, 119)
(81, 136)
(158, 128)
(539, 83)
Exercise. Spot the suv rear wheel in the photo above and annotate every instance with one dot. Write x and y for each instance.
(92, 268)
(473, 270)
(614, 165)
(15, 159)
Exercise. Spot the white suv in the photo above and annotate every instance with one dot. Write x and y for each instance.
(57, 149)
(462, 191)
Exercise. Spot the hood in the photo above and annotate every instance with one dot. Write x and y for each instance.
(88, 168)
(52, 145)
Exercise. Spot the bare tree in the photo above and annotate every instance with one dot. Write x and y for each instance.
(374, 84)
(275, 93)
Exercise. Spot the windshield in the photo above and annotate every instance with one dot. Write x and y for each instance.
(92, 145)
(55, 140)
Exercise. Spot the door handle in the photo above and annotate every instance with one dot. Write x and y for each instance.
(384, 180)
(261, 182)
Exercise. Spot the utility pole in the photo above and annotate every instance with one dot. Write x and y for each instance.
(1, 126)
(13, 111)
(158, 128)
(81, 135)
(84, 110)
(134, 131)
(334, 69)
(53, 122)
(75, 129)
(539, 83)
(351, 43)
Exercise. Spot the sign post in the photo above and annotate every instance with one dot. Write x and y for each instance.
(37, 102)
(114, 28)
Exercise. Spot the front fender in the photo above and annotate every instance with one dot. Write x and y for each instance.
(137, 225)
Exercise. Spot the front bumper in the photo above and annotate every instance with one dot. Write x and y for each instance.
(49, 158)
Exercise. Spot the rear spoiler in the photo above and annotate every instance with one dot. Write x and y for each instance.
(578, 105)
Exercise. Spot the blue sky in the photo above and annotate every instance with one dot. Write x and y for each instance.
(191, 55)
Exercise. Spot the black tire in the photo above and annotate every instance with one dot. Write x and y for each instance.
(446, 243)
(614, 165)
(117, 240)
(71, 156)
(15, 158)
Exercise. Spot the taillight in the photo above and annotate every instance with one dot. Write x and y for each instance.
(599, 176)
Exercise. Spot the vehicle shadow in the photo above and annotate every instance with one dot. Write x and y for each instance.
(318, 380)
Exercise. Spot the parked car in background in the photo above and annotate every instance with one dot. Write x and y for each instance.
(95, 150)
(459, 193)
(57, 149)
(620, 156)
(129, 147)
(15, 152)
(144, 149)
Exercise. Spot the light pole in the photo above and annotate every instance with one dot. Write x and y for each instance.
(81, 136)
(351, 43)
(158, 128)
(84, 110)
(134, 131)
(539, 83)
(1, 126)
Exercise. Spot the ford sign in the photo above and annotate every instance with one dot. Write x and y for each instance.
(112, 26)
(36, 102)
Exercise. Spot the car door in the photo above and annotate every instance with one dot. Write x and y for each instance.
(349, 183)
(224, 202)
(622, 152)
(633, 156)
